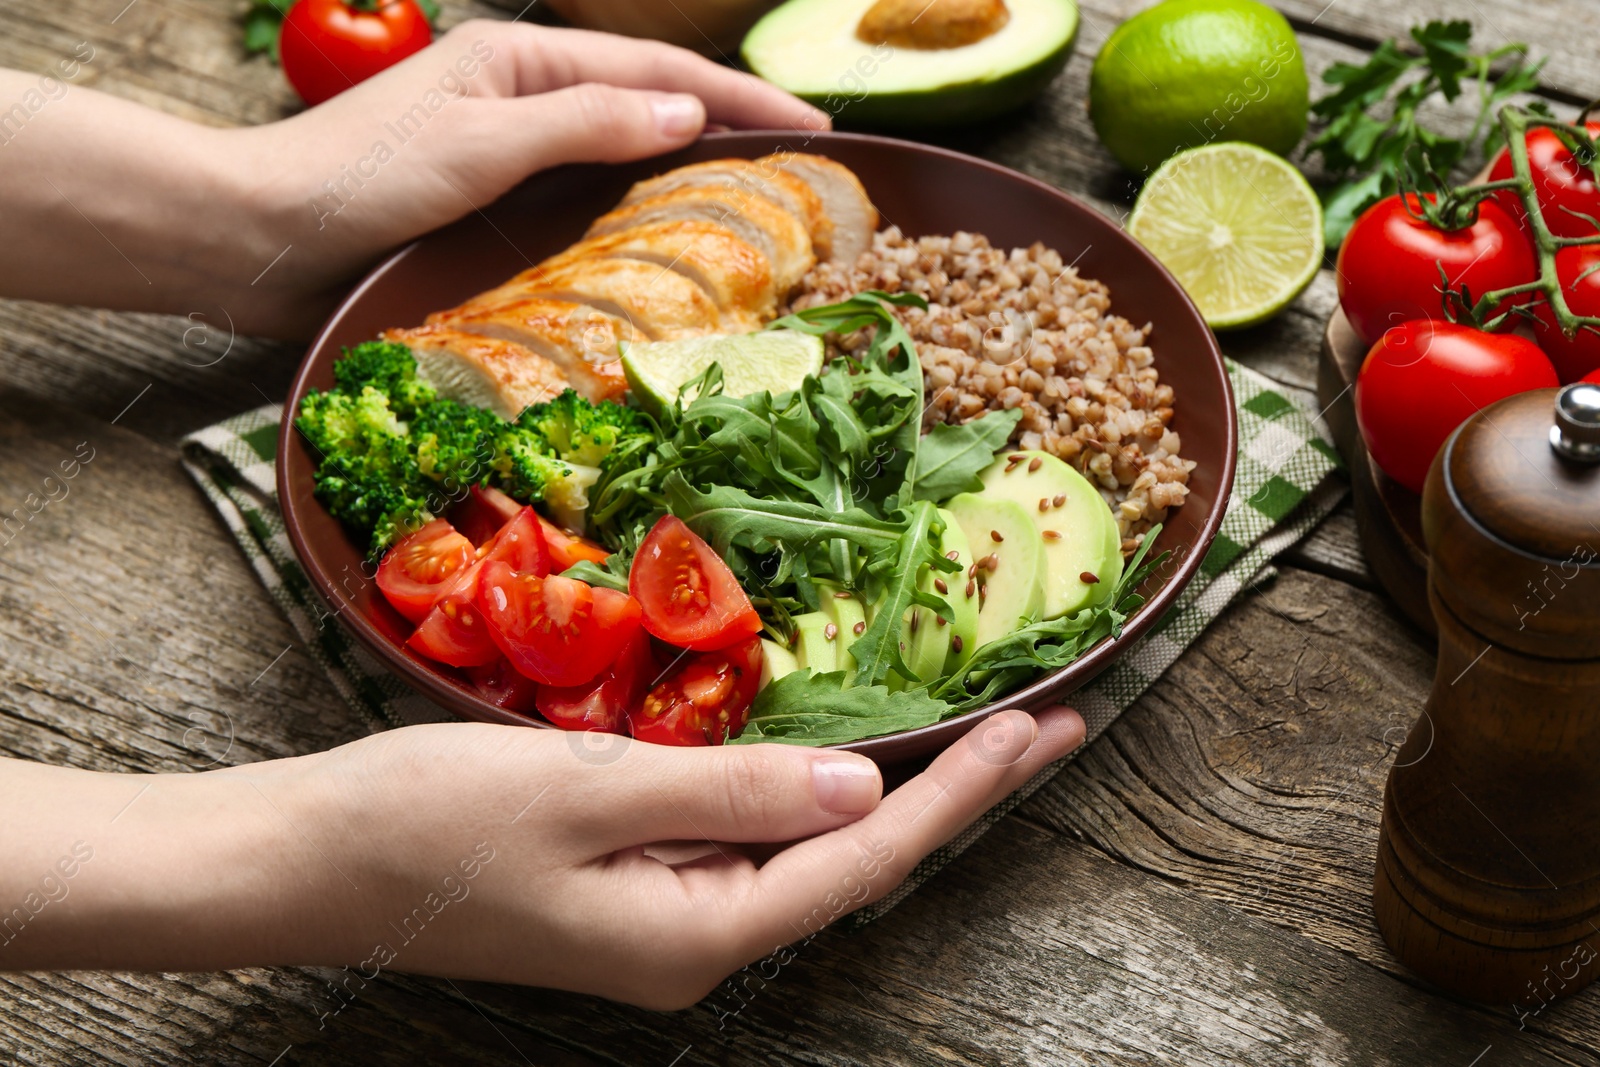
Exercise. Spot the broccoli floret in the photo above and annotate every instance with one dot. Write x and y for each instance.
(585, 433)
(459, 445)
(388, 367)
(366, 473)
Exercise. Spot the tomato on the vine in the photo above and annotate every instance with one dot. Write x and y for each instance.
(704, 702)
(327, 46)
(604, 703)
(1388, 266)
(1423, 379)
(1574, 357)
(421, 566)
(1562, 184)
(555, 630)
(1593, 379)
(687, 593)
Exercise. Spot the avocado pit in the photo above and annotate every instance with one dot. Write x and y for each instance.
(930, 25)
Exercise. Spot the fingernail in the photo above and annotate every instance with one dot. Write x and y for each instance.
(819, 120)
(678, 116)
(846, 786)
(1003, 739)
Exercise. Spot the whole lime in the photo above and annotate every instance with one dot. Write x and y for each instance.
(1186, 73)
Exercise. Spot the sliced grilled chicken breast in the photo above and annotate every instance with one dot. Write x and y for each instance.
(750, 178)
(584, 343)
(844, 200)
(502, 376)
(733, 272)
(661, 304)
(780, 236)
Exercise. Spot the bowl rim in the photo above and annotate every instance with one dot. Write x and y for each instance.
(887, 748)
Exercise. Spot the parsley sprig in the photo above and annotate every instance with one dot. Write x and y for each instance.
(1372, 135)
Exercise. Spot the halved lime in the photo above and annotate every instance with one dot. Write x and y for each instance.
(773, 360)
(1240, 229)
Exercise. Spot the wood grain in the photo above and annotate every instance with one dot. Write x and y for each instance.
(1194, 889)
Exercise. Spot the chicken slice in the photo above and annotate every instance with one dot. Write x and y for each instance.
(502, 376)
(780, 236)
(751, 178)
(733, 272)
(584, 343)
(661, 304)
(844, 200)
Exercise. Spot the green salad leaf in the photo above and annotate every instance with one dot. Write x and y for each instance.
(951, 456)
(804, 708)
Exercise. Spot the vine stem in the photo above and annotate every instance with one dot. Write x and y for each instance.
(1515, 122)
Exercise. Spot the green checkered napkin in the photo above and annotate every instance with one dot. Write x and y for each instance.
(1282, 489)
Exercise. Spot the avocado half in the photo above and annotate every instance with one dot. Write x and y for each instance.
(810, 48)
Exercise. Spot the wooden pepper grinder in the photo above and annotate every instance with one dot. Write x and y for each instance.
(1488, 874)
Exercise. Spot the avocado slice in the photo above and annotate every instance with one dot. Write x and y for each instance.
(1079, 532)
(1011, 587)
(950, 644)
(848, 614)
(814, 647)
(776, 661)
(814, 49)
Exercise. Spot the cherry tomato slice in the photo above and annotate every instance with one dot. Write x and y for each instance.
(569, 548)
(706, 701)
(688, 595)
(419, 567)
(453, 631)
(501, 685)
(555, 630)
(327, 46)
(483, 513)
(604, 703)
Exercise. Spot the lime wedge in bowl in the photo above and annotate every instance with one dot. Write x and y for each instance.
(775, 361)
(1238, 227)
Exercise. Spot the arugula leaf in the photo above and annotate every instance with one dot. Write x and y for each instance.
(593, 573)
(804, 708)
(950, 457)
(1372, 132)
(877, 650)
(727, 516)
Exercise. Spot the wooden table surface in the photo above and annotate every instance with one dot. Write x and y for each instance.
(1194, 889)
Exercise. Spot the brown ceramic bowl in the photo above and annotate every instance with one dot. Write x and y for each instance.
(923, 190)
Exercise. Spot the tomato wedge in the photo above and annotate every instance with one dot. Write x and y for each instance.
(501, 685)
(604, 703)
(688, 595)
(569, 548)
(483, 513)
(555, 630)
(454, 632)
(419, 567)
(706, 701)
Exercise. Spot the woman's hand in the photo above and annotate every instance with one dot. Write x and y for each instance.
(450, 129)
(119, 206)
(575, 861)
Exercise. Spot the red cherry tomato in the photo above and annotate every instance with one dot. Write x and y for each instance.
(453, 631)
(326, 46)
(1559, 181)
(555, 630)
(501, 685)
(569, 548)
(419, 567)
(1594, 378)
(1422, 379)
(1388, 266)
(704, 702)
(482, 513)
(1578, 355)
(688, 595)
(604, 703)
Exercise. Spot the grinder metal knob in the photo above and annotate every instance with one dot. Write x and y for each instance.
(1576, 433)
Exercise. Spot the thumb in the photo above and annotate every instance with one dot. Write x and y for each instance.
(737, 793)
(596, 123)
